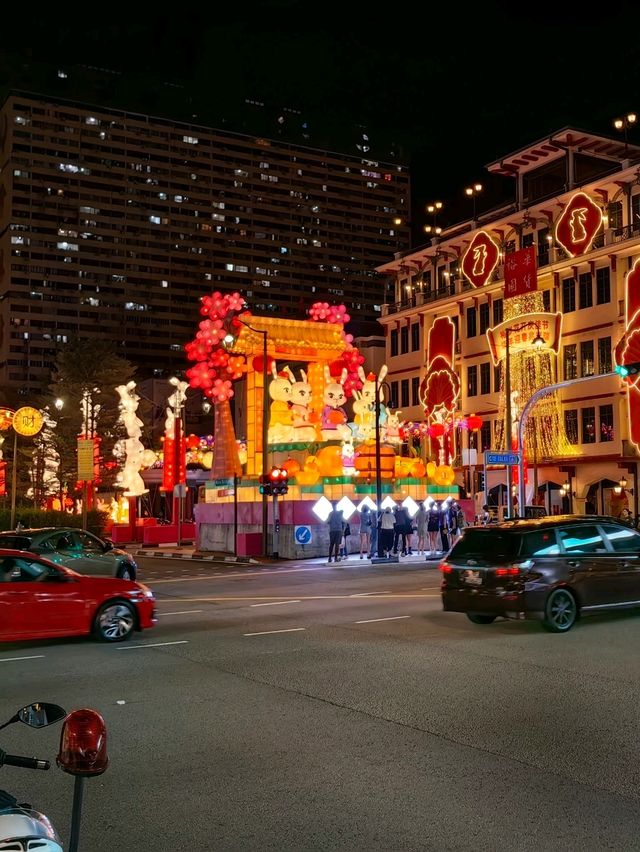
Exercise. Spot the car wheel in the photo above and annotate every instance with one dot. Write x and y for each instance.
(126, 572)
(561, 611)
(478, 618)
(115, 621)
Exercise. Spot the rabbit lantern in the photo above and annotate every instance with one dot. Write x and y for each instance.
(334, 417)
(280, 414)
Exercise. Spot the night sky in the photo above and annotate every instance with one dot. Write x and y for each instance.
(443, 89)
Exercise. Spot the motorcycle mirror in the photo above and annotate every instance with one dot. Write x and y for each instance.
(39, 715)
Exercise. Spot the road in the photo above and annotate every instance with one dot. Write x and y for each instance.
(307, 707)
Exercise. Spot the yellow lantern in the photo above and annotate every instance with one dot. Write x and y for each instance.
(431, 469)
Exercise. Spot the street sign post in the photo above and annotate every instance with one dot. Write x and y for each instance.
(502, 458)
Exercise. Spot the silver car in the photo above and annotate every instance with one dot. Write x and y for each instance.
(74, 548)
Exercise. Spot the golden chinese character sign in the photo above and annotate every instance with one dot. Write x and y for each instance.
(547, 326)
(480, 259)
(580, 222)
(28, 421)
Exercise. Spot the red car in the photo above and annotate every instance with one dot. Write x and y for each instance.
(41, 600)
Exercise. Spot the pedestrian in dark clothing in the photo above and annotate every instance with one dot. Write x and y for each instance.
(385, 535)
(433, 528)
(336, 529)
(444, 528)
(402, 524)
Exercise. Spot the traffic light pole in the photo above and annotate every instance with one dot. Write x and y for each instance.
(276, 526)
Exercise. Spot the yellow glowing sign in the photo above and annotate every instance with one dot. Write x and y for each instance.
(28, 421)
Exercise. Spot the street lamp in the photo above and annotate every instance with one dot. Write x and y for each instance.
(433, 210)
(623, 124)
(472, 192)
(378, 385)
(228, 341)
(538, 343)
(621, 486)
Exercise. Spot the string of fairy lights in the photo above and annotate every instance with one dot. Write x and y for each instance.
(531, 370)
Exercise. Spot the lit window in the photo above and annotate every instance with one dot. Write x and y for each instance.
(91, 119)
(65, 246)
(155, 220)
(62, 74)
(164, 283)
(190, 140)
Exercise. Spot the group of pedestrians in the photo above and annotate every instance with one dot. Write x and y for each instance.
(388, 532)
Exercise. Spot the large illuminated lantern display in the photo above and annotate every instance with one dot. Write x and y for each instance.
(321, 409)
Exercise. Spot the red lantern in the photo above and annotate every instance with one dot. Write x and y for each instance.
(257, 363)
(436, 430)
(193, 442)
(474, 422)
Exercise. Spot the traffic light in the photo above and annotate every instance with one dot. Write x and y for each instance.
(265, 484)
(279, 477)
(628, 369)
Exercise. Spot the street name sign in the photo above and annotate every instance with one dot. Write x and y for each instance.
(502, 458)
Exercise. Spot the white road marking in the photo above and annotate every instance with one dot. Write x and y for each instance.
(275, 603)
(367, 594)
(14, 659)
(182, 612)
(154, 645)
(390, 618)
(268, 632)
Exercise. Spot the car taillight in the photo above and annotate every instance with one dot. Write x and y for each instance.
(513, 571)
(446, 568)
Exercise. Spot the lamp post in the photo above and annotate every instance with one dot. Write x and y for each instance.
(378, 385)
(228, 340)
(472, 192)
(433, 209)
(177, 443)
(538, 343)
(624, 124)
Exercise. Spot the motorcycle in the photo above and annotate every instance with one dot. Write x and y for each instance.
(82, 753)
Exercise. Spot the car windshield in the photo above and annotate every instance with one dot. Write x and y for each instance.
(486, 544)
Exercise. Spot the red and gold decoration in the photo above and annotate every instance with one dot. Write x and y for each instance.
(547, 326)
(579, 224)
(480, 259)
(628, 350)
(520, 272)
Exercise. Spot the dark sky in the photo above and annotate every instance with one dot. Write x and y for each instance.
(444, 88)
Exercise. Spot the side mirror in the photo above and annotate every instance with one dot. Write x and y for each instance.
(108, 544)
(40, 715)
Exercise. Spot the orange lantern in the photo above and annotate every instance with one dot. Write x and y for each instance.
(431, 469)
(418, 469)
(292, 466)
(330, 460)
(365, 462)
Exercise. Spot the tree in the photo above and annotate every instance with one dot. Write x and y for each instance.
(85, 376)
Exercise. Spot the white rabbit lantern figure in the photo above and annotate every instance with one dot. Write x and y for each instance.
(365, 418)
(349, 457)
(392, 433)
(301, 394)
(280, 414)
(334, 417)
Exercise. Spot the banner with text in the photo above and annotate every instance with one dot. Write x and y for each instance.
(520, 272)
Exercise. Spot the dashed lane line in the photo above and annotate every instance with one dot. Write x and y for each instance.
(151, 645)
(16, 659)
(275, 603)
(268, 632)
(390, 618)
(183, 612)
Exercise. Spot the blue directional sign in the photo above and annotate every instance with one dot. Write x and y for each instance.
(502, 458)
(302, 535)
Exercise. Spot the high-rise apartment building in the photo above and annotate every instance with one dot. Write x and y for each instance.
(116, 223)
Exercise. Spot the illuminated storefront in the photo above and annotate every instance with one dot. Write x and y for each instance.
(550, 286)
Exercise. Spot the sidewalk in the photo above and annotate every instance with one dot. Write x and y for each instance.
(172, 551)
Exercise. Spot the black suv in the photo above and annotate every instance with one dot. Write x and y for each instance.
(552, 569)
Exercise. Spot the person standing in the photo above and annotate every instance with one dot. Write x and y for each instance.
(336, 528)
(375, 527)
(402, 522)
(385, 536)
(433, 528)
(444, 529)
(344, 547)
(421, 529)
(365, 531)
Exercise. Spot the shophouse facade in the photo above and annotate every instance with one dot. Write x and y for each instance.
(577, 211)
